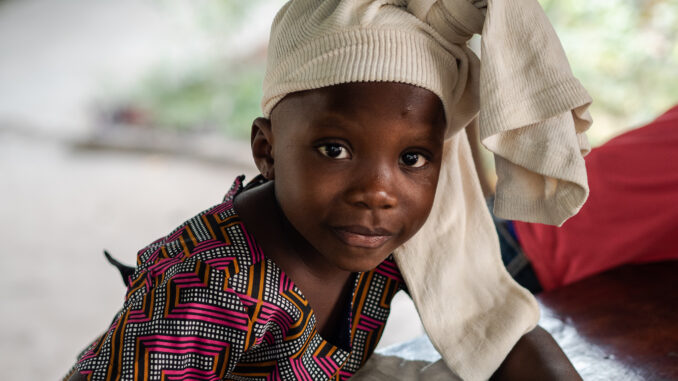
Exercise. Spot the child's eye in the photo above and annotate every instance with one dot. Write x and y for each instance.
(413, 159)
(334, 151)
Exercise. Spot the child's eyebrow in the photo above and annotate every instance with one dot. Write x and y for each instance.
(334, 120)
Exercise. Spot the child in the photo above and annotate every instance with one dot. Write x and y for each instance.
(361, 156)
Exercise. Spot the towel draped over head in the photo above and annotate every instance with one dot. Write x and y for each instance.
(531, 112)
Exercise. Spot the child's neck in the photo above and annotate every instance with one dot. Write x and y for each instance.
(327, 287)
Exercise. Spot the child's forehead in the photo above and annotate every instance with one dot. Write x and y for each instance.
(363, 97)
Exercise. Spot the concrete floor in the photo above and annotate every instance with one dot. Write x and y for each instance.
(61, 208)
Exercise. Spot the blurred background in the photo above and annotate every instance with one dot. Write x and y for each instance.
(120, 119)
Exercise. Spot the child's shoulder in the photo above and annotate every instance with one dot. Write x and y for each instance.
(216, 237)
(214, 285)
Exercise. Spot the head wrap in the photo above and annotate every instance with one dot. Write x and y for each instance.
(532, 114)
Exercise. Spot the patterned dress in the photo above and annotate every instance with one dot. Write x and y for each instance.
(205, 304)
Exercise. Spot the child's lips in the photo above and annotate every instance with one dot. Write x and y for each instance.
(361, 236)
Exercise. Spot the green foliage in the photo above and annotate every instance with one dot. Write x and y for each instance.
(218, 16)
(224, 98)
(625, 54)
(246, 92)
(222, 94)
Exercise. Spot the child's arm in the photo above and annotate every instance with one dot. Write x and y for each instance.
(536, 356)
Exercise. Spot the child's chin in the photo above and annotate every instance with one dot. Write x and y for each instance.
(361, 265)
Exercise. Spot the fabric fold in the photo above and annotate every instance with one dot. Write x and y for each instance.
(470, 307)
(532, 115)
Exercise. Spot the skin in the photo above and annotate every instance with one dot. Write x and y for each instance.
(354, 169)
(535, 357)
(353, 172)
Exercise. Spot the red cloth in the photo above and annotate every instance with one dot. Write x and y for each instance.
(631, 215)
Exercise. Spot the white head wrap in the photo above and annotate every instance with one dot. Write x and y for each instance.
(532, 115)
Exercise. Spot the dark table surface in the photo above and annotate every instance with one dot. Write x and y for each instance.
(618, 325)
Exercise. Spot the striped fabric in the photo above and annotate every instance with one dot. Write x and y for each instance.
(205, 304)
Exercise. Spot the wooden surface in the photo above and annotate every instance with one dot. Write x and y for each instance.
(619, 325)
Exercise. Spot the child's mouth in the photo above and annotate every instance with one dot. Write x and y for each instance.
(360, 236)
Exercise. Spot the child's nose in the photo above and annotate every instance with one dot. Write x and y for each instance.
(373, 189)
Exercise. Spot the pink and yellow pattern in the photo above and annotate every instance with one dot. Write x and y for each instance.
(205, 304)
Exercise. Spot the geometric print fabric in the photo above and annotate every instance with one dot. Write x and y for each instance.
(204, 303)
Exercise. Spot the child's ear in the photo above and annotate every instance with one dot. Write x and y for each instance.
(262, 147)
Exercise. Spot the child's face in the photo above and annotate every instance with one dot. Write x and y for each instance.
(356, 167)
